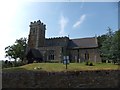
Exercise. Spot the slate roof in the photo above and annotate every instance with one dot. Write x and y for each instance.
(83, 43)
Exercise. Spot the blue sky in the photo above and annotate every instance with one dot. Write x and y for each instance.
(76, 19)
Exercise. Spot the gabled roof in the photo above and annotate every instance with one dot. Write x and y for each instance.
(83, 43)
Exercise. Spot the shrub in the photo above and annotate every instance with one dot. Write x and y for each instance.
(18, 63)
(109, 61)
(6, 64)
(91, 64)
(103, 61)
(87, 63)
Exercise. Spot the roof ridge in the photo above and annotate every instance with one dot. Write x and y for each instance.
(83, 38)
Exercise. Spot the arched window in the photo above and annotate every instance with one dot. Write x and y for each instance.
(86, 55)
(51, 55)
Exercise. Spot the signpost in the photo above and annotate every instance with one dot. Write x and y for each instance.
(66, 60)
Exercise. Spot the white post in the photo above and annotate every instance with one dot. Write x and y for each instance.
(79, 60)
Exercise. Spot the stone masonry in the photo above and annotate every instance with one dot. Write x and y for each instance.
(55, 48)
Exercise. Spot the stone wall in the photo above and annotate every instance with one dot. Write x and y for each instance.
(76, 79)
(57, 52)
(94, 55)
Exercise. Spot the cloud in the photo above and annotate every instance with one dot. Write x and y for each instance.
(80, 21)
(63, 22)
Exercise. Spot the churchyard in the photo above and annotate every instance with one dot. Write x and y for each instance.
(57, 67)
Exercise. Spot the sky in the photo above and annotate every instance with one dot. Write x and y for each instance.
(76, 19)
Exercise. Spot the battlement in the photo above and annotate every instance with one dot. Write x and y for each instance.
(57, 41)
(65, 37)
(38, 23)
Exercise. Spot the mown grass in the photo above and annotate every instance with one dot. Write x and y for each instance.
(58, 67)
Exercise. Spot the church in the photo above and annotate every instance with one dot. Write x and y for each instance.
(55, 49)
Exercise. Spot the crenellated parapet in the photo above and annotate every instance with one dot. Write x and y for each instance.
(37, 34)
(38, 23)
(57, 41)
(65, 37)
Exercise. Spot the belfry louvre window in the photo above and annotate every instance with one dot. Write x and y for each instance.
(33, 31)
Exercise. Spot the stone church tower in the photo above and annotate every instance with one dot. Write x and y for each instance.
(37, 34)
(55, 49)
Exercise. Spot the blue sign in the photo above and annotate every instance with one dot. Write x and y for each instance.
(66, 60)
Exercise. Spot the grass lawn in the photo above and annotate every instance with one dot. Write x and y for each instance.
(57, 67)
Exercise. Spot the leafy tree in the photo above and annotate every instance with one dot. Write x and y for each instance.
(17, 50)
(21, 47)
(105, 47)
(11, 52)
(101, 39)
(109, 46)
(115, 47)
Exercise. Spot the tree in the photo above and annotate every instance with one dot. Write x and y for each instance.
(101, 39)
(115, 47)
(17, 50)
(11, 52)
(105, 47)
(109, 46)
(21, 47)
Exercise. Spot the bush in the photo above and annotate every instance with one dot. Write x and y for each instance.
(103, 61)
(18, 63)
(109, 61)
(91, 64)
(88, 63)
(6, 64)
